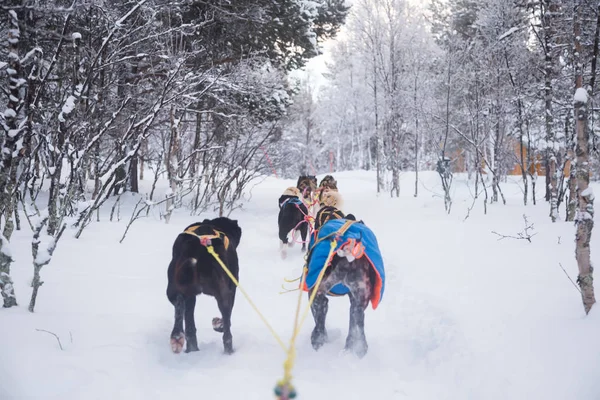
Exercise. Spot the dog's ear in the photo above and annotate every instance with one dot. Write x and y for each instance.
(351, 217)
(229, 227)
(233, 230)
(194, 224)
(281, 199)
(236, 232)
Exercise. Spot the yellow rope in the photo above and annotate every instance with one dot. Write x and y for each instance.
(288, 364)
(284, 389)
(211, 250)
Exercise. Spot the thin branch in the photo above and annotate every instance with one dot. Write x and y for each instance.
(53, 334)
(523, 235)
(574, 284)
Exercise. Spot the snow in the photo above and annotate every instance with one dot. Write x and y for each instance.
(3, 64)
(589, 193)
(509, 32)
(67, 108)
(5, 246)
(9, 113)
(581, 96)
(46, 242)
(18, 147)
(464, 316)
(30, 54)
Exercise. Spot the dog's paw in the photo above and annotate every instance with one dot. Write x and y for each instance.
(217, 324)
(318, 339)
(177, 344)
(357, 347)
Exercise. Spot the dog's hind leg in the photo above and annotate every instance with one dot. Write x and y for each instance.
(190, 324)
(282, 250)
(283, 240)
(356, 340)
(303, 234)
(319, 309)
(225, 301)
(359, 283)
(177, 337)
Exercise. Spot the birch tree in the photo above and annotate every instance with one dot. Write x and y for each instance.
(585, 211)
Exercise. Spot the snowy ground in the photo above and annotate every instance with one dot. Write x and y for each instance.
(464, 316)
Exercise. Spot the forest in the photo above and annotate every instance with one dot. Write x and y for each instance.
(98, 96)
(459, 136)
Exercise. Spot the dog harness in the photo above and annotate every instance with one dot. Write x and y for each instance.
(326, 214)
(359, 241)
(291, 200)
(206, 238)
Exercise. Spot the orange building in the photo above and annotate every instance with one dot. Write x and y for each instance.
(459, 162)
(538, 162)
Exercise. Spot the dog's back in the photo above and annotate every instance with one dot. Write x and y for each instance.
(193, 270)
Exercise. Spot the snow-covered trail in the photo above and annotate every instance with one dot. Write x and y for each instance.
(464, 316)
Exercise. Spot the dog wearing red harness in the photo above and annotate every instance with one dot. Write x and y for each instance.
(293, 216)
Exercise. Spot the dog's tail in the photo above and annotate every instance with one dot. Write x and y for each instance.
(186, 272)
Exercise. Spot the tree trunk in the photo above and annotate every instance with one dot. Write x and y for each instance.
(142, 158)
(571, 202)
(378, 142)
(197, 142)
(585, 212)
(549, 20)
(522, 155)
(133, 174)
(172, 168)
(10, 161)
(416, 140)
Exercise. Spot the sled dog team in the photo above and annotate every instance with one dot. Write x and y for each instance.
(337, 242)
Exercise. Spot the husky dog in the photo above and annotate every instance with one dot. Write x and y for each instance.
(293, 216)
(356, 269)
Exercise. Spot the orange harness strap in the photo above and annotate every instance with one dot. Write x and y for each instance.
(205, 239)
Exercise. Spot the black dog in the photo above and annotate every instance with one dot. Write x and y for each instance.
(193, 271)
(292, 211)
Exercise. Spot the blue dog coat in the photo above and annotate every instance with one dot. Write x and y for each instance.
(319, 252)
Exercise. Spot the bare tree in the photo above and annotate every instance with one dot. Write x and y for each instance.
(585, 212)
